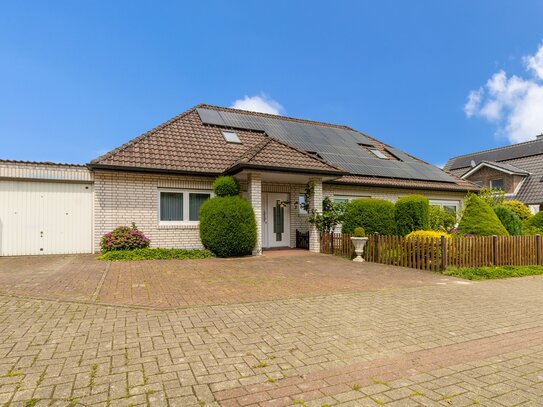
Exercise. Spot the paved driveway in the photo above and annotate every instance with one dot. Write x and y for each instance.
(182, 283)
(434, 342)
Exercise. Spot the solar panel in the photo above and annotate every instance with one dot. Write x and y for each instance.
(338, 146)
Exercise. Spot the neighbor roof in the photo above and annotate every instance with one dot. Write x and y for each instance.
(192, 142)
(521, 159)
(520, 150)
(507, 168)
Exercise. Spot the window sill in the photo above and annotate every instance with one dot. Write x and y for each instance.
(178, 225)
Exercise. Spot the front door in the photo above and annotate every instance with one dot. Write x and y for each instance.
(275, 220)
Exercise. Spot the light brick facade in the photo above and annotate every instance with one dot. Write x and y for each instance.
(254, 195)
(125, 197)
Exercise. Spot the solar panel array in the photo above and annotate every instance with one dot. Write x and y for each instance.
(340, 147)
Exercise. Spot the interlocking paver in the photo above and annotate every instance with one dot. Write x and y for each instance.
(416, 343)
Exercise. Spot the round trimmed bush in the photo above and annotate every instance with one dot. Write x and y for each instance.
(509, 219)
(522, 211)
(411, 213)
(479, 219)
(124, 238)
(228, 226)
(374, 215)
(359, 232)
(226, 186)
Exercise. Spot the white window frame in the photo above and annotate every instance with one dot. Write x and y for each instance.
(350, 198)
(443, 202)
(186, 205)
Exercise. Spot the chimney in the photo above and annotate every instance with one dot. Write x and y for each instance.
(539, 136)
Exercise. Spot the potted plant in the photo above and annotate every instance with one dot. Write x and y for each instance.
(359, 240)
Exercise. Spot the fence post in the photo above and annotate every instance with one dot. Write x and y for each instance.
(443, 253)
(376, 247)
(495, 250)
(538, 249)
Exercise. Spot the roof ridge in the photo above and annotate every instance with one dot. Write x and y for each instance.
(251, 152)
(40, 162)
(274, 116)
(142, 136)
(496, 149)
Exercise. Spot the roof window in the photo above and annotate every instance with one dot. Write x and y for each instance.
(230, 136)
(378, 153)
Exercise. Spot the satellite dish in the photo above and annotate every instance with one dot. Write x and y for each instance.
(472, 163)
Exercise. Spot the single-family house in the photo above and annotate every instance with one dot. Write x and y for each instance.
(517, 169)
(159, 180)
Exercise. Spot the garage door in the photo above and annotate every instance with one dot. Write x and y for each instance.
(45, 218)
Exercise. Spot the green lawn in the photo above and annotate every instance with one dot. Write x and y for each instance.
(486, 273)
(155, 254)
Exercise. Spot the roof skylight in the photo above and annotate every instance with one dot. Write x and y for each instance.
(378, 153)
(231, 137)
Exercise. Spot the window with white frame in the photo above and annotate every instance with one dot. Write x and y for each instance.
(449, 206)
(180, 206)
(341, 198)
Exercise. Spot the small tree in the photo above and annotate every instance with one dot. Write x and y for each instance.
(493, 197)
(440, 220)
(331, 216)
(509, 219)
(479, 219)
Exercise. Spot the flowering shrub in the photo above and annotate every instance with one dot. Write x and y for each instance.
(124, 238)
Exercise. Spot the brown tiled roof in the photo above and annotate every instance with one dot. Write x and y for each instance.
(184, 144)
(459, 185)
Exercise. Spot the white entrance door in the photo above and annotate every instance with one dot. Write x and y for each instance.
(275, 220)
(45, 218)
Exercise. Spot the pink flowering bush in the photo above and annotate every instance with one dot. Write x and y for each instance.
(124, 238)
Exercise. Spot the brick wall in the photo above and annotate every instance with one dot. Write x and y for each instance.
(125, 197)
(485, 174)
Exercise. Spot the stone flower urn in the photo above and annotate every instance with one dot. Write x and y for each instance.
(359, 244)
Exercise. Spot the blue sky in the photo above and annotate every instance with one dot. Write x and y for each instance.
(78, 78)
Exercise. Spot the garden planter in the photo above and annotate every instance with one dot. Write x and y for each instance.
(359, 244)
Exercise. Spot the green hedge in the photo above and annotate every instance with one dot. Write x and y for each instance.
(374, 215)
(226, 186)
(509, 220)
(479, 219)
(411, 213)
(155, 254)
(228, 226)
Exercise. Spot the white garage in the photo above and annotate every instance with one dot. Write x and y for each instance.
(45, 209)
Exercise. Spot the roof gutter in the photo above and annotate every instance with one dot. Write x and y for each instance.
(151, 170)
(240, 167)
(375, 184)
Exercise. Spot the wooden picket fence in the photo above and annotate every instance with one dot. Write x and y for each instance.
(438, 254)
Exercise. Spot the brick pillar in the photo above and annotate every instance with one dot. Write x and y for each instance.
(254, 194)
(315, 204)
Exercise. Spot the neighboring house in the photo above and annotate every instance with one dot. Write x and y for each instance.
(517, 169)
(159, 180)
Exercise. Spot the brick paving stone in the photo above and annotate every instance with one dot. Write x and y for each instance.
(410, 343)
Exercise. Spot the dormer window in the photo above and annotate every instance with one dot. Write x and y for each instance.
(378, 153)
(231, 137)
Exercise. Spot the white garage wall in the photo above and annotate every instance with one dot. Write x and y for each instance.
(45, 217)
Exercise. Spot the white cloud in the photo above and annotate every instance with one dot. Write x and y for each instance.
(513, 103)
(259, 103)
